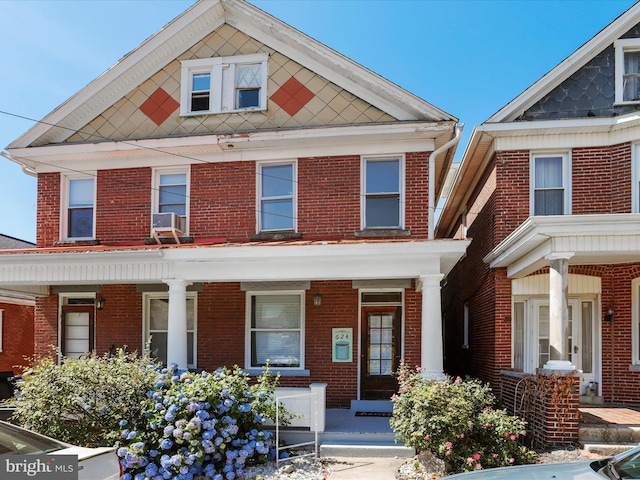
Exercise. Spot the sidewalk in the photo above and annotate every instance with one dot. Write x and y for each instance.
(364, 468)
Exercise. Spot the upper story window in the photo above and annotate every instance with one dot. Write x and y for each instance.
(550, 180)
(277, 196)
(275, 330)
(627, 70)
(383, 192)
(78, 219)
(171, 194)
(224, 84)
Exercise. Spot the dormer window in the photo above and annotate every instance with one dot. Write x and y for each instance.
(224, 84)
(627, 70)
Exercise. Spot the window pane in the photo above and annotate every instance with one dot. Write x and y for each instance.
(81, 223)
(248, 98)
(277, 215)
(281, 349)
(172, 194)
(277, 181)
(173, 179)
(248, 76)
(631, 87)
(518, 335)
(587, 337)
(548, 172)
(276, 311)
(548, 202)
(201, 81)
(159, 346)
(383, 176)
(81, 193)
(382, 212)
(158, 314)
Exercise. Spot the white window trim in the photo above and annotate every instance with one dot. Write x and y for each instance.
(247, 349)
(294, 212)
(635, 321)
(566, 178)
(155, 191)
(64, 210)
(146, 320)
(363, 190)
(215, 67)
(621, 46)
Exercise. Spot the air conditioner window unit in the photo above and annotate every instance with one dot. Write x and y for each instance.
(169, 223)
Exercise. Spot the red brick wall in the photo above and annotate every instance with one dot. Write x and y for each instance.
(119, 323)
(123, 205)
(46, 326)
(48, 214)
(17, 336)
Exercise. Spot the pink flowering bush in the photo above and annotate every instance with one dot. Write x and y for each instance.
(456, 421)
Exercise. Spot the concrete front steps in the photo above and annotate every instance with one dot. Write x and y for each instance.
(349, 435)
(608, 439)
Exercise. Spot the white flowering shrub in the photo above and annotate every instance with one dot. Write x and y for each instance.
(200, 425)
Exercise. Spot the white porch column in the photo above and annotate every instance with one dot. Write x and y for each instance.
(559, 312)
(431, 356)
(177, 323)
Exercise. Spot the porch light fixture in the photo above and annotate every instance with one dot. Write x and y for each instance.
(609, 316)
(99, 303)
(317, 300)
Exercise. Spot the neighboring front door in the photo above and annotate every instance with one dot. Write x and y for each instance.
(581, 344)
(380, 353)
(77, 330)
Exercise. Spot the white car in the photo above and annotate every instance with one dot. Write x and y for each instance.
(623, 466)
(100, 463)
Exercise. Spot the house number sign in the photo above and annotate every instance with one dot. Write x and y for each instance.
(342, 344)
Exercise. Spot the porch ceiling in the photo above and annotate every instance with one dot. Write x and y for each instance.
(583, 239)
(233, 263)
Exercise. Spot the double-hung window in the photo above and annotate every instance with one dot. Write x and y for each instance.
(275, 330)
(627, 70)
(551, 184)
(156, 326)
(79, 218)
(171, 194)
(277, 196)
(383, 192)
(224, 84)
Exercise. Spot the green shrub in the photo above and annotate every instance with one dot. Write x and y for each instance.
(83, 401)
(456, 421)
(198, 424)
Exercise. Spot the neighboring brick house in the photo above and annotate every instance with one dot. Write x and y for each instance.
(16, 320)
(240, 193)
(549, 192)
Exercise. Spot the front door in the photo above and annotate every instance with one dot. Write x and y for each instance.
(581, 344)
(77, 330)
(380, 352)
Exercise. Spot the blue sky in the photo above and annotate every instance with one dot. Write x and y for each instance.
(467, 57)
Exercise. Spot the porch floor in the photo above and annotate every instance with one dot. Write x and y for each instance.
(342, 420)
(609, 429)
(610, 415)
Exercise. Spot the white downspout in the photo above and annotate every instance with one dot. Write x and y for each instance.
(432, 177)
(27, 170)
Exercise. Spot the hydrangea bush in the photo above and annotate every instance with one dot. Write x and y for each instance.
(200, 424)
(457, 421)
(82, 401)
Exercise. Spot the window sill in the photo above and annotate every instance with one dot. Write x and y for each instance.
(72, 243)
(634, 367)
(222, 112)
(285, 372)
(382, 232)
(275, 236)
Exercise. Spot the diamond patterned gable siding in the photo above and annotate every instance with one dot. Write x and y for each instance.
(311, 100)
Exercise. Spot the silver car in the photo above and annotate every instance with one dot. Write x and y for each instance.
(93, 463)
(623, 466)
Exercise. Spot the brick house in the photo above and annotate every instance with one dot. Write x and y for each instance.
(239, 193)
(548, 190)
(16, 321)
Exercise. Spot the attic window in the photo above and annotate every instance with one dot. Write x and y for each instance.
(627, 70)
(224, 84)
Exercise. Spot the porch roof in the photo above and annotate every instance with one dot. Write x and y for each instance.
(228, 262)
(583, 239)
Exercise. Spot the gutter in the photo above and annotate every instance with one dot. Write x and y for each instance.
(432, 177)
(27, 170)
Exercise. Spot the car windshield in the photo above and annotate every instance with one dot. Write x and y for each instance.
(18, 440)
(627, 466)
